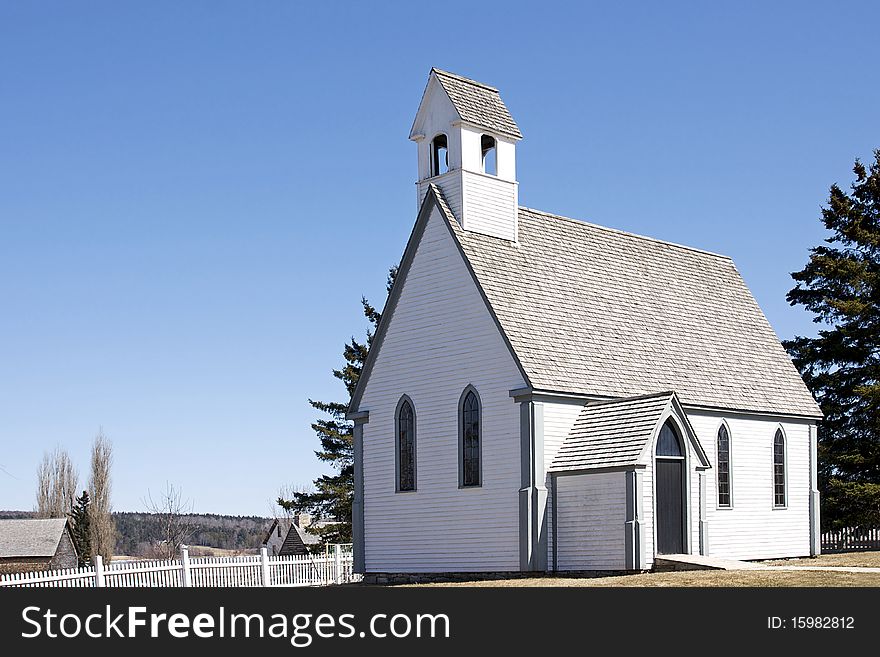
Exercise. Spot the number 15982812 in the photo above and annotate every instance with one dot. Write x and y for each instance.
(811, 623)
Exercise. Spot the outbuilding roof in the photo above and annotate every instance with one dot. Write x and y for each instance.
(30, 537)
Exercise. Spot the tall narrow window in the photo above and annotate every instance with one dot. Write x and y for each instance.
(406, 446)
(779, 469)
(490, 155)
(439, 155)
(723, 466)
(469, 423)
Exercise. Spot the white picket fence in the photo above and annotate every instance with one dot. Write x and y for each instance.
(332, 567)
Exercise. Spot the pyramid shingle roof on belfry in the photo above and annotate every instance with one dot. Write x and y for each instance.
(598, 311)
(478, 103)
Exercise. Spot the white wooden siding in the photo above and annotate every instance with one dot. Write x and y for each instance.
(450, 184)
(440, 339)
(648, 514)
(490, 205)
(559, 418)
(592, 513)
(752, 528)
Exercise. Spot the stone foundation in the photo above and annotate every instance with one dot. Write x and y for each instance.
(386, 579)
(23, 565)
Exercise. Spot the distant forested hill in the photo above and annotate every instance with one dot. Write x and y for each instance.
(137, 532)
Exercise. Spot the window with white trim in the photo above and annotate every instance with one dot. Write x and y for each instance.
(470, 439)
(779, 468)
(406, 446)
(723, 464)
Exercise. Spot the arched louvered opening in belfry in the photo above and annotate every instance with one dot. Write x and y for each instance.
(670, 471)
(489, 152)
(439, 155)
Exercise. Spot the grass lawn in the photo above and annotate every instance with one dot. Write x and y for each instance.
(864, 559)
(758, 578)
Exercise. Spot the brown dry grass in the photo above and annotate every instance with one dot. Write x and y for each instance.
(861, 559)
(735, 578)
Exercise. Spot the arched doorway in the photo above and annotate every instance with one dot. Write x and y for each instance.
(670, 471)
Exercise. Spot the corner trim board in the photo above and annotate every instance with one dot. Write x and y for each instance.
(633, 537)
(357, 505)
(532, 492)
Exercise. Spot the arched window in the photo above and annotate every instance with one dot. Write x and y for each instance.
(469, 439)
(779, 468)
(668, 445)
(439, 155)
(723, 458)
(406, 445)
(489, 155)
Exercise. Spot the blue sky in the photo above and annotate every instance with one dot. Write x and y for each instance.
(194, 195)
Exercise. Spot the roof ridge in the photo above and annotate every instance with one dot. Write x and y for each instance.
(625, 232)
(440, 71)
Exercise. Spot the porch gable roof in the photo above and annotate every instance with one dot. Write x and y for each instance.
(620, 433)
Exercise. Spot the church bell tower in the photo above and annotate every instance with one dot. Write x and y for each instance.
(466, 141)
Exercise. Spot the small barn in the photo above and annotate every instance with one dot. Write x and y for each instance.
(36, 544)
(287, 537)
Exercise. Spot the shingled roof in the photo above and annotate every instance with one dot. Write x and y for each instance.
(478, 103)
(618, 434)
(598, 311)
(296, 539)
(30, 537)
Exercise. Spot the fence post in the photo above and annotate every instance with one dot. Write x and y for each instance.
(264, 560)
(184, 565)
(99, 570)
(337, 557)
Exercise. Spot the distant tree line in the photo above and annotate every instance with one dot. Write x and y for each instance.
(139, 534)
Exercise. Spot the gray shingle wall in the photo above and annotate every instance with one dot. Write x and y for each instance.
(65, 555)
(593, 310)
(478, 103)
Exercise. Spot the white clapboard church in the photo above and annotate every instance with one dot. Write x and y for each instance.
(545, 394)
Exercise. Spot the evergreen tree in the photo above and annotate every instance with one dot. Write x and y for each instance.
(81, 531)
(840, 285)
(334, 493)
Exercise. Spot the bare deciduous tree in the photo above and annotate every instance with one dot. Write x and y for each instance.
(56, 485)
(103, 531)
(286, 492)
(177, 526)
